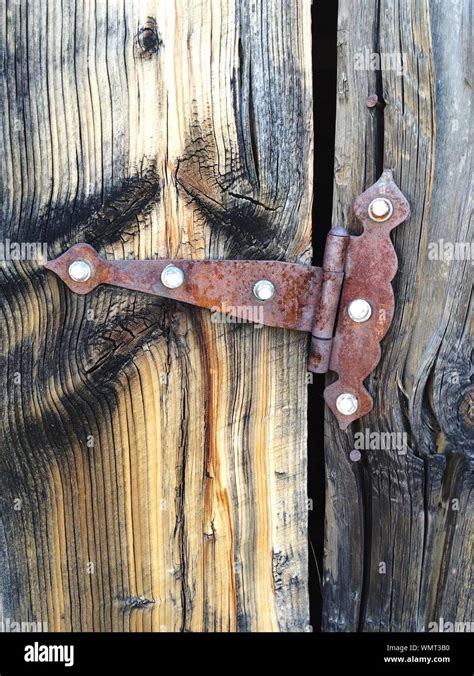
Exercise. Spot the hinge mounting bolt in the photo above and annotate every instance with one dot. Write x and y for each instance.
(346, 403)
(172, 277)
(263, 289)
(359, 310)
(80, 271)
(380, 209)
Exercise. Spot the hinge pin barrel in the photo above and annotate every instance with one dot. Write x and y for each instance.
(325, 316)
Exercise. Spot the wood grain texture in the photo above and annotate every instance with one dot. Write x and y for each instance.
(153, 462)
(413, 511)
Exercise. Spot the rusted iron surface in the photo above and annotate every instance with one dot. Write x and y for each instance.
(373, 101)
(325, 316)
(371, 264)
(220, 285)
(306, 298)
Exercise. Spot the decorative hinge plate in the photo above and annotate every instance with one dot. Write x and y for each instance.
(286, 295)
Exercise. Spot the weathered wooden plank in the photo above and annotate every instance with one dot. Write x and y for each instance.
(354, 170)
(153, 462)
(399, 552)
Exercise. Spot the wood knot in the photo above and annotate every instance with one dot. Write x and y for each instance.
(466, 408)
(136, 602)
(148, 39)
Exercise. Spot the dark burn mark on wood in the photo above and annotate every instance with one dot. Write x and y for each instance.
(148, 41)
(99, 220)
(271, 139)
(244, 111)
(78, 358)
(243, 221)
(122, 215)
(104, 347)
(253, 128)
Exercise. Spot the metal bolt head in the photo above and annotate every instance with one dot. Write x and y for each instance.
(80, 271)
(359, 310)
(263, 289)
(380, 209)
(347, 403)
(172, 277)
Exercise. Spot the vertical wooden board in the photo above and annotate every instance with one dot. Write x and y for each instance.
(408, 537)
(153, 462)
(355, 168)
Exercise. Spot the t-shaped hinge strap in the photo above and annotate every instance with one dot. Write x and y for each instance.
(347, 305)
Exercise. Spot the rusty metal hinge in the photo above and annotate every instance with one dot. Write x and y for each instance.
(347, 305)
